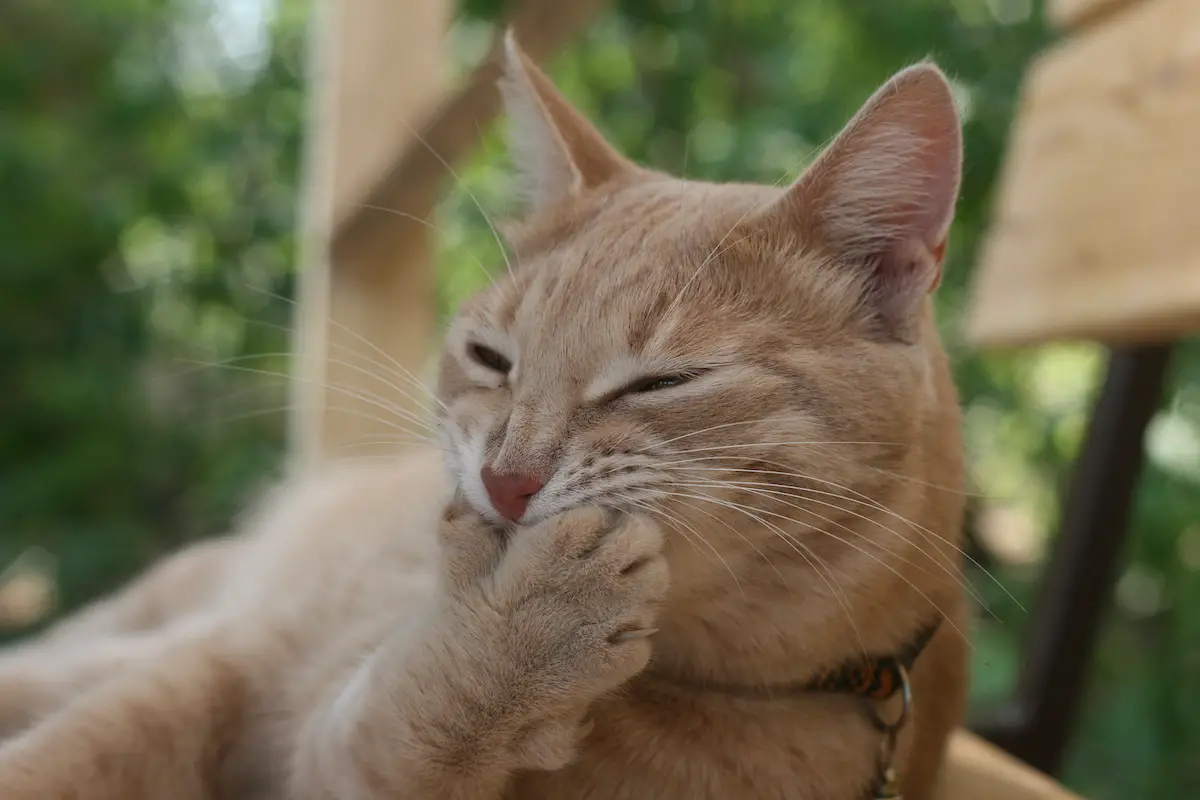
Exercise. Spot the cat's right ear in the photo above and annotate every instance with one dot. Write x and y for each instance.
(558, 153)
(881, 197)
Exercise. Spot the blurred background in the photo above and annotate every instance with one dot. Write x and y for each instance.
(149, 154)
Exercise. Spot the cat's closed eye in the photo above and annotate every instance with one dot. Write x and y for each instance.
(487, 357)
(657, 383)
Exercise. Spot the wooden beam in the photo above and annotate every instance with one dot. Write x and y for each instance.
(411, 182)
(1094, 233)
(366, 310)
(364, 330)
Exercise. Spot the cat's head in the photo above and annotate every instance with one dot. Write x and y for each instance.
(690, 348)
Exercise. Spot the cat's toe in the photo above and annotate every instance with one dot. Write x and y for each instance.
(471, 546)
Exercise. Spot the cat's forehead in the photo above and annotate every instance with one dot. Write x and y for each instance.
(610, 284)
(660, 266)
(632, 248)
(654, 217)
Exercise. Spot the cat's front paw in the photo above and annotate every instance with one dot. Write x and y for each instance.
(580, 592)
(471, 545)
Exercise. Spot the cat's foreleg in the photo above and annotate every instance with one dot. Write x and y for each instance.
(178, 585)
(159, 729)
(500, 675)
(40, 674)
(36, 683)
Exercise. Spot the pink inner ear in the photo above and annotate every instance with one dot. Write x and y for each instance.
(884, 191)
(938, 165)
(556, 149)
(882, 195)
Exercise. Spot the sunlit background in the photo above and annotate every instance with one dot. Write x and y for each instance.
(148, 196)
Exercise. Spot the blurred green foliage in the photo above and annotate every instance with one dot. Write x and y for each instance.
(148, 184)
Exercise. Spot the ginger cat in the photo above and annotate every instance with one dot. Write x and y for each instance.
(701, 444)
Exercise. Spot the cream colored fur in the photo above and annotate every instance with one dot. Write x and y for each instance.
(378, 632)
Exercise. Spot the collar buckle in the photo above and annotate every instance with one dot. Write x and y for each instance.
(887, 785)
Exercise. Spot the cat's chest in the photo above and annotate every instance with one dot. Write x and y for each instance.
(691, 750)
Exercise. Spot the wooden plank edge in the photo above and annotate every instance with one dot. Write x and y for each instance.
(1143, 307)
(999, 335)
(1073, 14)
(977, 770)
(315, 202)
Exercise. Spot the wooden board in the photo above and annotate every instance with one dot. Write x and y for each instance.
(1071, 13)
(366, 307)
(1096, 228)
(389, 76)
(366, 320)
(976, 770)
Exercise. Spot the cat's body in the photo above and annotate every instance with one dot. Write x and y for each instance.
(795, 473)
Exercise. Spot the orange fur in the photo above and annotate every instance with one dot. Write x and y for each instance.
(379, 632)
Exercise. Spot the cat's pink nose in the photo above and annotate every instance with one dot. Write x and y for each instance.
(510, 494)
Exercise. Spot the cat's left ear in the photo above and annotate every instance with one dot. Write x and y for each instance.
(881, 197)
(558, 152)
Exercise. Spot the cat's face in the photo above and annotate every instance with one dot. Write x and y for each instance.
(594, 371)
(699, 351)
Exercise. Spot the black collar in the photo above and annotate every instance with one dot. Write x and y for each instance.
(874, 678)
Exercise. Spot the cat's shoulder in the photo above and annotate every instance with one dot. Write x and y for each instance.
(410, 476)
(352, 500)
